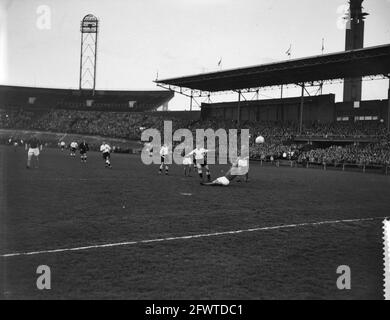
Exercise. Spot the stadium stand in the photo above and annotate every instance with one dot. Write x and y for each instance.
(280, 137)
(103, 100)
(65, 111)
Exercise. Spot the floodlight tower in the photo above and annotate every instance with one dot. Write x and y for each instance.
(354, 39)
(89, 32)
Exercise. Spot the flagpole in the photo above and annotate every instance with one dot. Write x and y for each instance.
(220, 63)
(322, 52)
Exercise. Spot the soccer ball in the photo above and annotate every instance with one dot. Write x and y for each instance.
(260, 140)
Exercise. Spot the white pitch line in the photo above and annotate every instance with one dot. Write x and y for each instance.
(197, 236)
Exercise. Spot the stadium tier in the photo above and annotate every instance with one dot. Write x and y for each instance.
(102, 100)
(331, 131)
(357, 142)
(322, 109)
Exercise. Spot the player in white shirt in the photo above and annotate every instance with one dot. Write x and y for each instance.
(201, 161)
(164, 152)
(73, 148)
(187, 163)
(238, 169)
(62, 145)
(105, 149)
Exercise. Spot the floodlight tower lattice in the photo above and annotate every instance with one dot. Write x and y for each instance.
(88, 52)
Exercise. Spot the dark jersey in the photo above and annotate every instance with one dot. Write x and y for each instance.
(83, 146)
(34, 143)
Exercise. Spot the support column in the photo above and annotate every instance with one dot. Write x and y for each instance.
(191, 101)
(239, 108)
(281, 108)
(301, 109)
(94, 64)
(81, 61)
(388, 109)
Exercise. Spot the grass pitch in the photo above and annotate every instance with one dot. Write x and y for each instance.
(65, 204)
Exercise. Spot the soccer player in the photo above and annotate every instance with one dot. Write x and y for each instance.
(84, 148)
(238, 169)
(201, 161)
(33, 151)
(149, 148)
(187, 163)
(241, 168)
(62, 145)
(105, 149)
(164, 152)
(73, 148)
(194, 161)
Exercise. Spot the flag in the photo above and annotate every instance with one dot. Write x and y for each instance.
(220, 62)
(288, 52)
(323, 45)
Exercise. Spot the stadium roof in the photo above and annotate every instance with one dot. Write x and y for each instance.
(370, 61)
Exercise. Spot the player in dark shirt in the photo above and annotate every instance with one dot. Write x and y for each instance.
(84, 148)
(34, 143)
(33, 150)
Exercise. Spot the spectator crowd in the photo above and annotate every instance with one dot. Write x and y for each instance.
(280, 137)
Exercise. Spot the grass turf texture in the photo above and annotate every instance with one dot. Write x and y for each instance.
(66, 204)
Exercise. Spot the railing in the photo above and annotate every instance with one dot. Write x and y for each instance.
(364, 168)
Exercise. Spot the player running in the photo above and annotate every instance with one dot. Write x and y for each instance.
(84, 148)
(62, 145)
(164, 152)
(33, 151)
(238, 169)
(106, 151)
(201, 161)
(73, 148)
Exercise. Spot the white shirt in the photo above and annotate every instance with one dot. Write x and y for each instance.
(199, 153)
(242, 162)
(241, 166)
(164, 151)
(105, 148)
(73, 145)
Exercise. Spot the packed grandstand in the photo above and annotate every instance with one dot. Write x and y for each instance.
(360, 142)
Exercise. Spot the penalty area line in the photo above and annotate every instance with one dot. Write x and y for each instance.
(188, 237)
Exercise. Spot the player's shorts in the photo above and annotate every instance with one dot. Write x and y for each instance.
(201, 163)
(187, 161)
(33, 152)
(73, 149)
(83, 152)
(106, 155)
(163, 159)
(223, 181)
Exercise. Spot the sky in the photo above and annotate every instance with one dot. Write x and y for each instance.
(140, 39)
